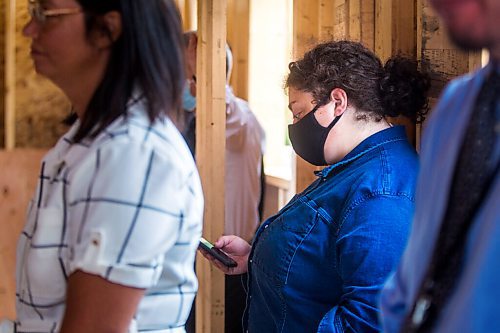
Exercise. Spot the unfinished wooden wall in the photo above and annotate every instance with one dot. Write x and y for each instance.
(188, 10)
(2, 72)
(238, 27)
(36, 107)
(388, 27)
(438, 56)
(210, 154)
(17, 183)
(385, 26)
(33, 107)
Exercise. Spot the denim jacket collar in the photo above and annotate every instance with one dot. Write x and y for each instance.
(391, 134)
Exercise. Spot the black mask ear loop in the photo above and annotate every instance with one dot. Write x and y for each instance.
(336, 119)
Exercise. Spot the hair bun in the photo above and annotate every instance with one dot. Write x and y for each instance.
(403, 89)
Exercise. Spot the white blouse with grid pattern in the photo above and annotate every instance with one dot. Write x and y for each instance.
(126, 206)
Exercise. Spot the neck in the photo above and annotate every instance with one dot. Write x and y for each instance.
(348, 133)
(80, 87)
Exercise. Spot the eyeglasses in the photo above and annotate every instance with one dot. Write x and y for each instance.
(37, 12)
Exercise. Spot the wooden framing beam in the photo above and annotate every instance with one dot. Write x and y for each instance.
(238, 26)
(355, 25)
(327, 20)
(383, 28)
(340, 19)
(16, 188)
(442, 59)
(306, 18)
(210, 154)
(368, 23)
(10, 75)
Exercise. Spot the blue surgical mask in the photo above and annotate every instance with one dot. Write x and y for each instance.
(188, 100)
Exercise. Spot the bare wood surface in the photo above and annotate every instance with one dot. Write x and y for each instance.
(238, 30)
(210, 150)
(17, 184)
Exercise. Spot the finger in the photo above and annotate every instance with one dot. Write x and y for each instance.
(223, 241)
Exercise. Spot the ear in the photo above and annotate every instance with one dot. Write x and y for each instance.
(113, 21)
(339, 97)
(191, 54)
(111, 29)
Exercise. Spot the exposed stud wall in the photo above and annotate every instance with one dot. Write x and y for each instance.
(2, 72)
(16, 188)
(238, 25)
(306, 32)
(40, 106)
(210, 154)
(437, 53)
(438, 56)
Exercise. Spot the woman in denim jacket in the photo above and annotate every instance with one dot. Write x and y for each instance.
(319, 264)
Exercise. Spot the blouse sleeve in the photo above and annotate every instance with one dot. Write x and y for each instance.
(130, 206)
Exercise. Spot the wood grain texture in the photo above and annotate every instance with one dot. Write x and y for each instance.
(210, 154)
(17, 184)
(3, 18)
(39, 105)
(238, 26)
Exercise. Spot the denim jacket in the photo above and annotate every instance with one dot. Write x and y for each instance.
(319, 264)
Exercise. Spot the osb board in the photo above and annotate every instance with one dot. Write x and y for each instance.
(17, 183)
(40, 106)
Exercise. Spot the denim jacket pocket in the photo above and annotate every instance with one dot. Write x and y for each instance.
(281, 239)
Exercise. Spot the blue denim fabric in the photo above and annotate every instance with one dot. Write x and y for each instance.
(319, 264)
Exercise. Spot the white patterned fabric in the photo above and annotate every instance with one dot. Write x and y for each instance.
(245, 141)
(126, 206)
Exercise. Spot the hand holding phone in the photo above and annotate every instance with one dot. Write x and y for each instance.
(217, 253)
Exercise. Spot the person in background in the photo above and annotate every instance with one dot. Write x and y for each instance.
(447, 280)
(112, 231)
(319, 264)
(244, 172)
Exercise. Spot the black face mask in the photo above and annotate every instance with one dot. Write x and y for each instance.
(308, 137)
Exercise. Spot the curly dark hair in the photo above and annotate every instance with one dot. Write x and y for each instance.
(376, 91)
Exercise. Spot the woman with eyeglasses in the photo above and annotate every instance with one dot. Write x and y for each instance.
(114, 224)
(319, 264)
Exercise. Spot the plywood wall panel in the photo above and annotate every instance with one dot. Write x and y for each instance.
(439, 56)
(17, 184)
(368, 23)
(2, 72)
(40, 106)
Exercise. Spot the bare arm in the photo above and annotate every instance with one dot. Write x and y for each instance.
(96, 305)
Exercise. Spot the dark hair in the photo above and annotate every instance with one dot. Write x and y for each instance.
(148, 56)
(229, 53)
(398, 88)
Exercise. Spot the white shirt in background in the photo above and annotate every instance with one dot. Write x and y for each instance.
(245, 140)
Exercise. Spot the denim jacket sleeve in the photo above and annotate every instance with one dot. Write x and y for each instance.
(371, 239)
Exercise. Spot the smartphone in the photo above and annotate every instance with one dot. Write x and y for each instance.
(216, 253)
